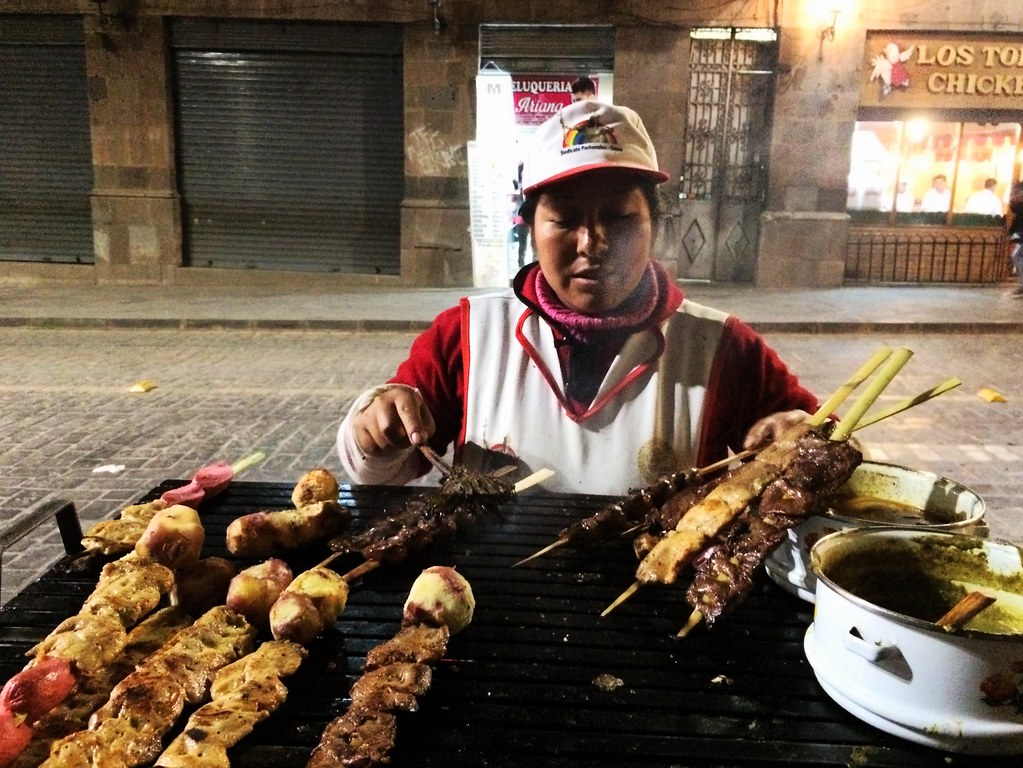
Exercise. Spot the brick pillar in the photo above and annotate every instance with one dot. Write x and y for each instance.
(136, 209)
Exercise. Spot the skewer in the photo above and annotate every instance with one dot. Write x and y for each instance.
(703, 471)
(908, 403)
(539, 553)
(840, 394)
(434, 458)
(622, 598)
(694, 619)
(892, 363)
(361, 570)
(884, 377)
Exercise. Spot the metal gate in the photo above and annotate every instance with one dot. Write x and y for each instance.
(45, 150)
(712, 229)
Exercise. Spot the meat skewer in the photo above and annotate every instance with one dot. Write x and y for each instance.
(462, 499)
(397, 672)
(243, 694)
(127, 730)
(723, 575)
(724, 572)
(711, 516)
(634, 510)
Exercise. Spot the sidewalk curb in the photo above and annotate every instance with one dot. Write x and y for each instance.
(415, 326)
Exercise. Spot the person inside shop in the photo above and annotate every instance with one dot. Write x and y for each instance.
(583, 88)
(594, 363)
(937, 199)
(904, 200)
(985, 201)
(1014, 219)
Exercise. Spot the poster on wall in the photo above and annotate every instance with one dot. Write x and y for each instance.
(539, 96)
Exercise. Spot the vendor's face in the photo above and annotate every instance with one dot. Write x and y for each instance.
(592, 236)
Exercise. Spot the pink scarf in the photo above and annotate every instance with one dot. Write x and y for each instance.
(645, 303)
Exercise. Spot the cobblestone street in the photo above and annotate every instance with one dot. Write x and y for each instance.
(67, 415)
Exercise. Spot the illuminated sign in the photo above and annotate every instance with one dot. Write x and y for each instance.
(942, 71)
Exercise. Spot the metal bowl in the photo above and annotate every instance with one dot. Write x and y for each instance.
(877, 495)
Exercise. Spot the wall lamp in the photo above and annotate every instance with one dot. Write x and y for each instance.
(438, 20)
(826, 32)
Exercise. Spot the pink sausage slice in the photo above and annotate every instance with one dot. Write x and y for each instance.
(189, 495)
(214, 478)
(36, 690)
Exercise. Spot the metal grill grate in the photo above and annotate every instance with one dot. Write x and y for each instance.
(517, 687)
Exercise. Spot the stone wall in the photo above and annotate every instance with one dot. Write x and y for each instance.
(136, 206)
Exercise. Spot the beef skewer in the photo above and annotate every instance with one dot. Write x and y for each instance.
(633, 511)
(724, 572)
(397, 672)
(720, 508)
(463, 498)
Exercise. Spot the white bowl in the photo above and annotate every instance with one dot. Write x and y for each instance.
(877, 495)
(877, 652)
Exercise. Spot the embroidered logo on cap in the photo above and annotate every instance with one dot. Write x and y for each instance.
(589, 132)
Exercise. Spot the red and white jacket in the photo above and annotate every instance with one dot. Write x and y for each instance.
(679, 393)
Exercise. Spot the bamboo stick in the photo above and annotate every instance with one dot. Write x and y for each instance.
(883, 378)
(908, 403)
(845, 389)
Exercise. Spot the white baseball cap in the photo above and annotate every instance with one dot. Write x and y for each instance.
(585, 136)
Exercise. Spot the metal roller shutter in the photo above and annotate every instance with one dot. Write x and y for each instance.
(567, 49)
(290, 145)
(45, 149)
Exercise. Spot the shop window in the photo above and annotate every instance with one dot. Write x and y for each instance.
(927, 173)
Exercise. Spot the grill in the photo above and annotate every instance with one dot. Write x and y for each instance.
(517, 687)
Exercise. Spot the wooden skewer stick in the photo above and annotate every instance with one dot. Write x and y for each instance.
(328, 560)
(622, 598)
(964, 610)
(539, 553)
(534, 479)
(908, 403)
(884, 377)
(434, 458)
(247, 461)
(694, 618)
(361, 570)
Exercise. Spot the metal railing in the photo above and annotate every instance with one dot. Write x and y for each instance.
(921, 255)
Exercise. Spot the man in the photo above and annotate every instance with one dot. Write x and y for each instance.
(937, 199)
(904, 200)
(583, 88)
(985, 201)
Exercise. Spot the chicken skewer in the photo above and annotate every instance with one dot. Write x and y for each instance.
(708, 518)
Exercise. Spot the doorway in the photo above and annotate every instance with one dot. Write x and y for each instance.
(711, 229)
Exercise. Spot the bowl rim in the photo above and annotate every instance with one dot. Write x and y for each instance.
(902, 532)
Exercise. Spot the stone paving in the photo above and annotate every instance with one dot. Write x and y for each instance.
(66, 411)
